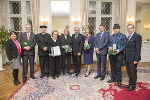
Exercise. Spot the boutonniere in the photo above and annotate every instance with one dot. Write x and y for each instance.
(76, 37)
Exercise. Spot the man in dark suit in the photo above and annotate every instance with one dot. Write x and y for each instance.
(77, 47)
(133, 56)
(101, 42)
(42, 42)
(28, 52)
(66, 55)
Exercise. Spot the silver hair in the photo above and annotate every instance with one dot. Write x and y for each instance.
(27, 24)
(77, 27)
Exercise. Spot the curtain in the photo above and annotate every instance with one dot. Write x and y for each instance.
(35, 8)
(84, 12)
(121, 14)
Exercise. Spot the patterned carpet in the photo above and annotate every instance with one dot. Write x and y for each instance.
(83, 88)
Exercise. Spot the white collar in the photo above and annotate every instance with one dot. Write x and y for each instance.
(54, 39)
(131, 34)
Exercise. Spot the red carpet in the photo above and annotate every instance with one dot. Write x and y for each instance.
(142, 92)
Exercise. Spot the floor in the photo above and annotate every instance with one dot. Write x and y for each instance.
(6, 80)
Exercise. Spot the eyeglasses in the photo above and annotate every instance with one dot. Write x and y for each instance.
(129, 28)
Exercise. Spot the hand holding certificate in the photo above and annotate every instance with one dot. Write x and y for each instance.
(68, 48)
(113, 50)
(25, 43)
(55, 51)
(87, 45)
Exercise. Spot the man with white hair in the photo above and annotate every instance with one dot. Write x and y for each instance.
(77, 48)
(27, 40)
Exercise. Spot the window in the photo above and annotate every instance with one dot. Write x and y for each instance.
(19, 14)
(101, 12)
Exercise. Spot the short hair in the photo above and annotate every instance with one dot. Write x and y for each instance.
(131, 25)
(77, 27)
(54, 31)
(102, 25)
(12, 32)
(27, 24)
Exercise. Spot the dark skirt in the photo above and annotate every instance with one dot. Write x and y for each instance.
(88, 56)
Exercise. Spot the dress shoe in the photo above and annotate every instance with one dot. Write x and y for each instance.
(18, 82)
(131, 88)
(69, 73)
(53, 77)
(33, 77)
(76, 74)
(111, 81)
(102, 78)
(47, 76)
(64, 73)
(97, 76)
(119, 84)
(57, 76)
(126, 86)
(15, 82)
(24, 80)
(87, 75)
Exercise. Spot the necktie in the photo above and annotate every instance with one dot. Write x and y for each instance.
(129, 37)
(100, 35)
(28, 36)
(76, 37)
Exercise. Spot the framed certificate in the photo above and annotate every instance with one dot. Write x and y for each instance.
(26, 43)
(112, 52)
(68, 48)
(55, 51)
(87, 45)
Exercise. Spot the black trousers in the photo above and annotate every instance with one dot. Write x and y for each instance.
(77, 63)
(25, 65)
(132, 73)
(15, 74)
(54, 65)
(115, 62)
(64, 58)
(44, 66)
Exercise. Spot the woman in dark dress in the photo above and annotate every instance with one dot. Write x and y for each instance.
(54, 60)
(13, 52)
(88, 53)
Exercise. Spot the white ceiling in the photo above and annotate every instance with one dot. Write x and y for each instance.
(60, 8)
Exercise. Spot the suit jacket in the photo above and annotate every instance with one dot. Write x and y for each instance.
(102, 42)
(11, 50)
(32, 39)
(51, 43)
(77, 44)
(42, 41)
(133, 48)
(65, 42)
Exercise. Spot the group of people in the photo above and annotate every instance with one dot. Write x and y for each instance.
(74, 46)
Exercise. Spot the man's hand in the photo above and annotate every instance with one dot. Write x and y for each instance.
(45, 49)
(98, 52)
(26, 48)
(118, 51)
(110, 48)
(79, 54)
(96, 49)
(64, 47)
(135, 62)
